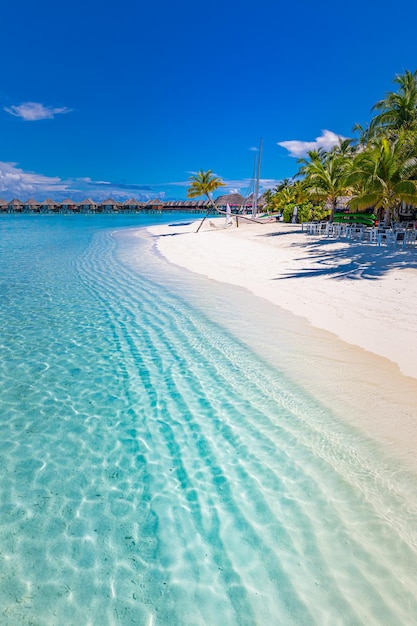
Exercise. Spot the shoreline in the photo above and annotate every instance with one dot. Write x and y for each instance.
(319, 301)
(366, 296)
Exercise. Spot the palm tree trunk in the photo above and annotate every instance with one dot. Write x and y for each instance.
(333, 209)
(207, 214)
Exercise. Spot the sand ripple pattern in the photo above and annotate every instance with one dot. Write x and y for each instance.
(155, 471)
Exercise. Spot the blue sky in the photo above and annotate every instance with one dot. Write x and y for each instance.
(130, 99)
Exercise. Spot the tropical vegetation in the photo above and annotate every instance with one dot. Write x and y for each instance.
(204, 184)
(376, 171)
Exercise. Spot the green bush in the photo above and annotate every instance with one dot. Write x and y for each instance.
(307, 211)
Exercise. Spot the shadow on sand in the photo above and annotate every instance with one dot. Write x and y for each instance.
(356, 260)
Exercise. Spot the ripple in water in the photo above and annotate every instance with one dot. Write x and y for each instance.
(155, 471)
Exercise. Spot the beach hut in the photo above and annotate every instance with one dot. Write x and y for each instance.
(109, 206)
(87, 206)
(68, 206)
(234, 200)
(3, 205)
(31, 206)
(14, 206)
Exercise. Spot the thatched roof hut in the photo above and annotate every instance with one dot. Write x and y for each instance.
(68, 202)
(31, 205)
(15, 205)
(156, 204)
(68, 205)
(132, 202)
(48, 205)
(250, 199)
(132, 205)
(231, 199)
(109, 205)
(3, 205)
(87, 205)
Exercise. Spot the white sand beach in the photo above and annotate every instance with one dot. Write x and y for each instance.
(361, 294)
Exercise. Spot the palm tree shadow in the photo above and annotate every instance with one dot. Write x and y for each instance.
(357, 261)
(158, 236)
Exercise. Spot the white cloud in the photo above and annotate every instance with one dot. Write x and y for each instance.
(296, 148)
(32, 111)
(15, 181)
(90, 181)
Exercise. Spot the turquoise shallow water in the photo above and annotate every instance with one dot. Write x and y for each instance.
(157, 471)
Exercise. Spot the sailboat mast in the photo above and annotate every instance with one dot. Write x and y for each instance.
(258, 176)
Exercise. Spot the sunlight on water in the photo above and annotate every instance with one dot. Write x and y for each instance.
(156, 471)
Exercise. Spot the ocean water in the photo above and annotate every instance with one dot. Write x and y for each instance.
(155, 470)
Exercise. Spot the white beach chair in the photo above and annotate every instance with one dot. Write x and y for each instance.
(410, 238)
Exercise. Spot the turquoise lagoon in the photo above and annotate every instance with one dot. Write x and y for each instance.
(156, 470)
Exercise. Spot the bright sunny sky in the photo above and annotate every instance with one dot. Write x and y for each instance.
(131, 98)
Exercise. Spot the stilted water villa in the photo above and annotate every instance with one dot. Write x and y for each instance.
(109, 205)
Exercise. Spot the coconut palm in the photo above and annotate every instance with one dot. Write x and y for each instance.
(384, 176)
(324, 176)
(287, 192)
(398, 110)
(345, 147)
(203, 184)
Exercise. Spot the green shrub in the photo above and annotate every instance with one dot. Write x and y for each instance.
(307, 211)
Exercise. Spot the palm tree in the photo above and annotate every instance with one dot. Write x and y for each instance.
(287, 192)
(364, 133)
(384, 176)
(203, 184)
(324, 176)
(397, 111)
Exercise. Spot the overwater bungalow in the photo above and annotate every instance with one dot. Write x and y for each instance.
(49, 206)
(68, 206)
(109, 206)
(87, 206)
(15, 206)
(132, 205)
(31, 206)
(154, 205)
